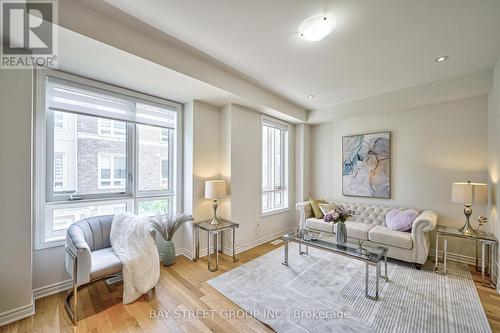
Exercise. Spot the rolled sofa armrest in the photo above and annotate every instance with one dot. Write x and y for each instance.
(423, 224)
(304, 209)
(78, 251)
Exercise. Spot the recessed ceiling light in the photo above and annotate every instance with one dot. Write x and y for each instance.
(317, 28)
(310, 96)
(441, 59)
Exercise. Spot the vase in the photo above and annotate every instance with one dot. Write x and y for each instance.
(167, 253)
(341, 234)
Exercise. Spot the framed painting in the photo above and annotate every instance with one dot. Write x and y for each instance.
(366, 165)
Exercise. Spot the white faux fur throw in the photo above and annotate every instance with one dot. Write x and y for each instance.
(133, 243)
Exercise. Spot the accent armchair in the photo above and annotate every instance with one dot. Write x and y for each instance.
(89, 256)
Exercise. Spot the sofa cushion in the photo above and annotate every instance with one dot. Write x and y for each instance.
(357, 229)
(319, 224)
(104, 262)
(384, 235)
(315, 207)
(400, 220)
(326, 208)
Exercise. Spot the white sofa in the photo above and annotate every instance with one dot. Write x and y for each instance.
(368, 224)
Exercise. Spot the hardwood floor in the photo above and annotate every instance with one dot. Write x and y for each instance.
(490, 300)
(182, 288)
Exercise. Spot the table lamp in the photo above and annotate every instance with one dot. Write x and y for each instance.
(215, 190)
(469, 194)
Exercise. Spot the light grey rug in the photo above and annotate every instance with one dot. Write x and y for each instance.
(324, 292)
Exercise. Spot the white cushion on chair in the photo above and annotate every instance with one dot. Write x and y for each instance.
(104, 262)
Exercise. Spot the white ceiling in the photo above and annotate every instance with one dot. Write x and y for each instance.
(378, 46)
(92, 59)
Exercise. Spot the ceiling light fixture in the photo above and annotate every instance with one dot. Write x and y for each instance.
(441, 59)
(310, 96)
(317, 28)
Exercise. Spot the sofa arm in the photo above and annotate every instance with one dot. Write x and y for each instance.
(78, 251)
(423, 224)
(305, 212)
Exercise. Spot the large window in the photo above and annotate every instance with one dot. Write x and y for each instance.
(274, 165)
(105, 150)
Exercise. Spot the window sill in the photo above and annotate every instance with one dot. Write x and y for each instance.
(274, 212)
(50, 244)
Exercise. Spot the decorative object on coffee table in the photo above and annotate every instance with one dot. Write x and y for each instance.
(469, 194)
(166, 226)
(339, 215)
(366, 165)
(341, 233)
(215, 190)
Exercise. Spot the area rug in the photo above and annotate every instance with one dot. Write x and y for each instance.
(325, 292)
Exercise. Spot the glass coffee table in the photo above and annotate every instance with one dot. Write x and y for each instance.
(371, 256)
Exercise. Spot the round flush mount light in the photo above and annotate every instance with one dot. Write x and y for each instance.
(317, 28)
(441, 59)
(310, 96)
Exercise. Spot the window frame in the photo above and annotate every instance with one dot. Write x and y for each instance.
(285, 161)
(45, 202)
(49, 151)
(171, 156)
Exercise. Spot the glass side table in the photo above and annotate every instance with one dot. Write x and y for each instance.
(213, 231)
(482, 240)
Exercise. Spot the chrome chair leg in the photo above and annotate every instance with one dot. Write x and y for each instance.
(72, 313)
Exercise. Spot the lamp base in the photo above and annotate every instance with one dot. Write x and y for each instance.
(467, 229)
(215, 220)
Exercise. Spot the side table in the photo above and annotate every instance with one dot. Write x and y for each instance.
(213, 232)
(481, 238)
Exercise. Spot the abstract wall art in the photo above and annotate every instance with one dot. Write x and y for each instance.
(366, 165)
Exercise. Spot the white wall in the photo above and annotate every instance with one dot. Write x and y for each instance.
(494, 155)
(302, 161)
(241, 128)
(431, 148)
(202, 122)
(15, 194)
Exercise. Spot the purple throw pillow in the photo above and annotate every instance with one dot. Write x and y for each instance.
(400, 220)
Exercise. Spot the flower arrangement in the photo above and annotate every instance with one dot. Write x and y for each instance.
(338, 215)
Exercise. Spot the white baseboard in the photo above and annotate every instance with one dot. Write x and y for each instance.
(455, 257)
(52, 289)
(239, 248)
(257, 242)
(183, 252)
(19, 313)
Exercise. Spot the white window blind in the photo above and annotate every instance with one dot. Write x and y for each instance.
(74, 97)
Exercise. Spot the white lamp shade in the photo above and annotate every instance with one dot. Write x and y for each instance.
(469, 193)
(215, 189)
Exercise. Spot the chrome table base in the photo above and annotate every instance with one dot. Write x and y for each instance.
(377, 264)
